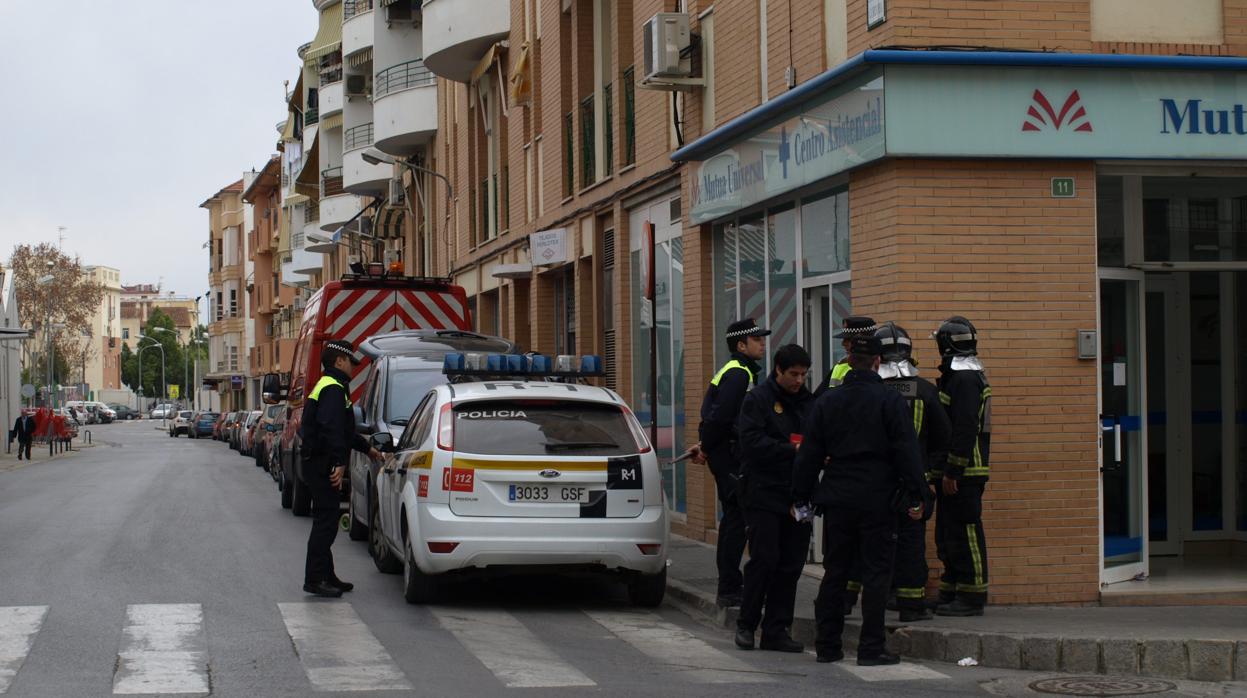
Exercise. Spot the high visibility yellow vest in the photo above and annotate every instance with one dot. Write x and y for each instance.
(838, 372)
(729, 366)
(326, 381)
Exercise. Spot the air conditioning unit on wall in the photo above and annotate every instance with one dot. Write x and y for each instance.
(668, 47)
(356, 86)
(397, 192)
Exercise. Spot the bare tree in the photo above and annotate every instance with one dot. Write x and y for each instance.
(71, 298)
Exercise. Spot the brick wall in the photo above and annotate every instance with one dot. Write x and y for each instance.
(986, 240)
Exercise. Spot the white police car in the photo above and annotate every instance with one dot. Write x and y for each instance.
(505, 469)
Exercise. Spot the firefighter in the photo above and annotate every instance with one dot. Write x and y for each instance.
(770, 436)
(860, 436)
(718, 445)
(959, 538)
(853, 326)
(328, 434)
(899, 372)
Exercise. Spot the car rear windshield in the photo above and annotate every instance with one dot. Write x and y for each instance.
(405, 391)
(542, 428)
(185, 414)
(208, 416)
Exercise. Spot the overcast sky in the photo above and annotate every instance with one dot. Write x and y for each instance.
(121, 118)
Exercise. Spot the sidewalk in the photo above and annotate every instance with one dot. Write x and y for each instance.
(1202, 643)
(39, 453)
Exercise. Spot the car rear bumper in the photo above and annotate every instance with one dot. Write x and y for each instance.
(487, 542)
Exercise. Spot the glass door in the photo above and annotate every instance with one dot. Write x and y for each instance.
(1123, 443)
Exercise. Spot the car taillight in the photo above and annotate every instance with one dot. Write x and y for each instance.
(649, 548)
(442, 547)
(446, 428)
(637, 432)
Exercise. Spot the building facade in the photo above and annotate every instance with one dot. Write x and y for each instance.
(100, 367)
(10, 352)
(272, 348)
(228, 355)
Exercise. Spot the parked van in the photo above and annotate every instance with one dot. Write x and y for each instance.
(354, 309)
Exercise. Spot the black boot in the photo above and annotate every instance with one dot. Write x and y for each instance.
(781, 643)
(913, 615)
(324, 589)
(344, 586)
(884, 658)
(960, 608)
(744, 638)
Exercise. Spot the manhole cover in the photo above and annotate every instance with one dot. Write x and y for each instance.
(1101, 686)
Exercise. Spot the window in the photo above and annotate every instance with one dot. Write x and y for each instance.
(542, 428)
(219, 311)
(565, 312)
(233, 302)
(404, 388)
(125, 333)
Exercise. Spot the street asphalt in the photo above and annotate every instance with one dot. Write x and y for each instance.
(168, 567)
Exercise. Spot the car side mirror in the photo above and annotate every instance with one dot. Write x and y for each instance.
(272, 389)
(383, 442)
(361, 423)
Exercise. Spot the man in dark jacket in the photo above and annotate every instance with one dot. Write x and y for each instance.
(24, 430)
(328, 434)
(717, 431)
(769, 427)
(860, 436)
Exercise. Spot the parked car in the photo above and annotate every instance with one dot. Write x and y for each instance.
(181, 423)
(162, 411)
(106, 414)
(201, 424)
(246, 437)
(83, 411)
(565, 468)
(235, 429)
(274, 447)
(264, 433)
(218, 429)
(400, 302)
(124, 411)
(403, 366)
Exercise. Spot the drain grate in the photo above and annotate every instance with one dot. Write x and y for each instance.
(1102, 686)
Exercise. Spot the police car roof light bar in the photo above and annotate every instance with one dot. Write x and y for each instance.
(531, 366)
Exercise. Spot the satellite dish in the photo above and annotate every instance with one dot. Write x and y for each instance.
(28, 391)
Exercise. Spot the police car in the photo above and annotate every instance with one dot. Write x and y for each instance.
(516, 466)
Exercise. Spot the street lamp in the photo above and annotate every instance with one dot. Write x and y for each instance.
(157, 345)
(373, 156)
(166, 330)
(47, 328)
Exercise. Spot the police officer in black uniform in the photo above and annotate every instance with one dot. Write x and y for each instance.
(959, 538)
(770, 435)
(860, 436)
(899, 372)
(328, 434)
(717, 431)
(853, 326)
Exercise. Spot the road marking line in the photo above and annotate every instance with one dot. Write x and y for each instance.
(339, 652)
(897, 672)
(18, 627)
(673, 646)
(511, 651)
(162, 650)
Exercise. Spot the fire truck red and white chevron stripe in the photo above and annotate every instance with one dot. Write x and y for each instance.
(357, 314)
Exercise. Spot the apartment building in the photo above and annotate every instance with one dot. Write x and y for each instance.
(270, 301)
(138, 301)
(228, 362)
(100, 368)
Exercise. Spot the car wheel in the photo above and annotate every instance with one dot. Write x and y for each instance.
(287, 492)
(301, 504)
(358, 530)
(418, 587)
(382, 557)
(647, 590)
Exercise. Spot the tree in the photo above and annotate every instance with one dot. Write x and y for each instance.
(158, 330)
(71, 299)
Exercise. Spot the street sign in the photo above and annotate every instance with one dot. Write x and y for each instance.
(1063, 187)
(173, 392)
(28, 391)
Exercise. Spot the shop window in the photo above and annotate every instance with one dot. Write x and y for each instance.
(781, 267)
(565, 312)
(825, 234)
(1110, 225)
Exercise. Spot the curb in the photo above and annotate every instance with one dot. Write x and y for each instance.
(1196, 660)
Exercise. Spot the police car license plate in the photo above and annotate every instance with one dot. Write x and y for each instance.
(552, 494)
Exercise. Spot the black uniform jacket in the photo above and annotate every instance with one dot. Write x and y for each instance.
(934, 429)
(328, 426)
(721, 405)
(24, 428)
(964, 394)
(861, 437)
(768, 416)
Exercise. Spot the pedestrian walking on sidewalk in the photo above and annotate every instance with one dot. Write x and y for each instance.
(861, 438)
(769, 426)
(328, 433)
(959, 538)
(718, 445)
(24, 432)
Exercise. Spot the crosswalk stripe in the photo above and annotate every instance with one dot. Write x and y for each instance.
(339, 652)
(18, 627)
(508, 649)
(163, 650)
(897, 672)
(673, 646)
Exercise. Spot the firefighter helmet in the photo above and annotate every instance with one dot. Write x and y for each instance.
(896, 343)
(956, 336)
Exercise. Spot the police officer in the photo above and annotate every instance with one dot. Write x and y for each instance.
(899, 372)
(860, 436)
(328, 434)
(747, 344)
(853, 326)
(966, 397)
(770, 435)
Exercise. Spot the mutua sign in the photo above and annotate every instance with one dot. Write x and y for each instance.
(1192, 117)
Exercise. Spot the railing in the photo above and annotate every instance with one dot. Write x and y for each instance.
(569, 154)
(311, 116)
(296, 241)
(608, 121)
(588, 143)
(629, 95)
(331, 182)
(350, 8)
(357, 137)
(285, 180)
(401, 77)
(331, 75)
(311, 213)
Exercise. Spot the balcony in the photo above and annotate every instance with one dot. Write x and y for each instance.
(357, 26)
(336, 209)
(404, 107)
(359, 177)
(457, 33)
(302, 260)
(331, 96)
